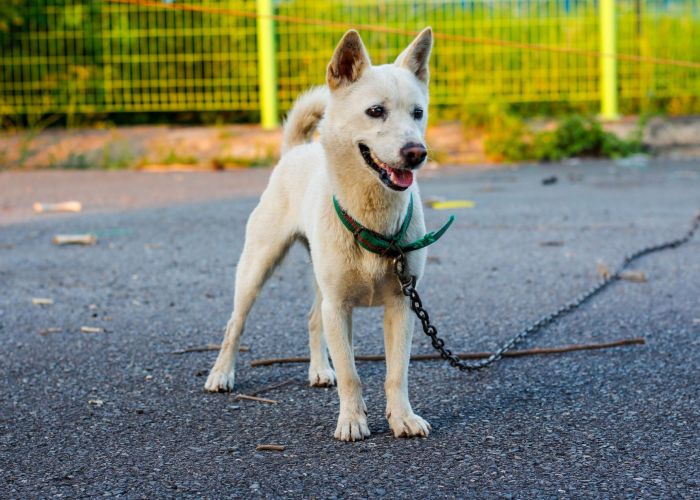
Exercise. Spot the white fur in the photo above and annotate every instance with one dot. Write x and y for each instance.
(297, 205)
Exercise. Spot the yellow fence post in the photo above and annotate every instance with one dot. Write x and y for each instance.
(267, 74)
(608, 61)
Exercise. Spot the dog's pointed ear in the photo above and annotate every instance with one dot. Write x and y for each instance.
(349, 60)
(417, 55)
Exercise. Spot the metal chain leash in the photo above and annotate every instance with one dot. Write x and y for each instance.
(408, 286)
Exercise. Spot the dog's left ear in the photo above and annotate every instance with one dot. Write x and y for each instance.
(417, 55)
(349, 61)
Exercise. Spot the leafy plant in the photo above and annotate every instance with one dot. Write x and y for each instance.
(508, 139)
(574, 136)
(175, 158)
(73, 162)
(33, 125)
(264, 156)
(117, 156)
(224, 162)
(11, 14)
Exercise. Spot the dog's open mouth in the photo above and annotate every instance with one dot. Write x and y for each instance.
(398, 179)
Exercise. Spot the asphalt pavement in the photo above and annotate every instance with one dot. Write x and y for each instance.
(115, 413)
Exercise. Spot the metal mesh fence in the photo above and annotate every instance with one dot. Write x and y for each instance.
(665, 29)
(94, 56)
(81, 56)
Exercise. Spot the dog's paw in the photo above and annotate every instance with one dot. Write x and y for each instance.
(352, 427)
(408, 425)
(219, 382)
(324, 377)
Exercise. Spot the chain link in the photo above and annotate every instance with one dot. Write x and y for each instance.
(408, 287)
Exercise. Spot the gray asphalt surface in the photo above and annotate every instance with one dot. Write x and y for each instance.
(616, 423)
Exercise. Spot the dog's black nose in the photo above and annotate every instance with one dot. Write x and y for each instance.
(413, 153)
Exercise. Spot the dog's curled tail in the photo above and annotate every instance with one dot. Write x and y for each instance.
(304, 117)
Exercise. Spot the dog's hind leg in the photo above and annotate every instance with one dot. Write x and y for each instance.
(266, 243)
(320, 372)
(398, 332)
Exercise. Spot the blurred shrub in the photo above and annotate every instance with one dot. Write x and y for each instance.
(509, 138)
(11, 14)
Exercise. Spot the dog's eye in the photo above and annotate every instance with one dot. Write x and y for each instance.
(417, 114)
(375, 111)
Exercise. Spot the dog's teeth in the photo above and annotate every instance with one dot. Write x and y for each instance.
(378, 162)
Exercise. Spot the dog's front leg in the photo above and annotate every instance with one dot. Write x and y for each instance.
(337, 323)
(398, 332)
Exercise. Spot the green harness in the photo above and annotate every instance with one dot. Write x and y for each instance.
(388, 246)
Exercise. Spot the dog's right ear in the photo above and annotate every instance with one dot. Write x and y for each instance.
(415, 57)
(349, 60)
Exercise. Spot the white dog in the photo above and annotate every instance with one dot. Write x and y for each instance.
(371, 121)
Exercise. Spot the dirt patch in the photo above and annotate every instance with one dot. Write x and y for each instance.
(141, 147)
(159, 148)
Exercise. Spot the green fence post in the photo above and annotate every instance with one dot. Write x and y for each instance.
(608, 60)
(267, 74)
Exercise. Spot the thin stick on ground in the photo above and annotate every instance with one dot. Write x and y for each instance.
(471, 355)
(254, 398)
(207, 348)
(269, 447)
(74, 239)
(271, 387)
(65, 206)
(92, 329)
(50, 330)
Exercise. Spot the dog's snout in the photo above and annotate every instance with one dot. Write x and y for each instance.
(413, 153)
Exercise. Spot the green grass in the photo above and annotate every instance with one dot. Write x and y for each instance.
(73, 162)
(117, 156)
(511, 139)
(227, 161)
(175, 158)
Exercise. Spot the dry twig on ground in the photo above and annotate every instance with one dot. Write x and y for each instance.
(269, 447)
(259, 400)
(471, 355)
(74, 239)
(206, 348)
(92, 329)
(271, 387)
(50, 330)
(66, 206)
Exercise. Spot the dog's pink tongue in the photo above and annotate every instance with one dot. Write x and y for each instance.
(401, 177)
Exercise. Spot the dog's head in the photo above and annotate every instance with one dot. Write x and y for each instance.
(376, 117)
